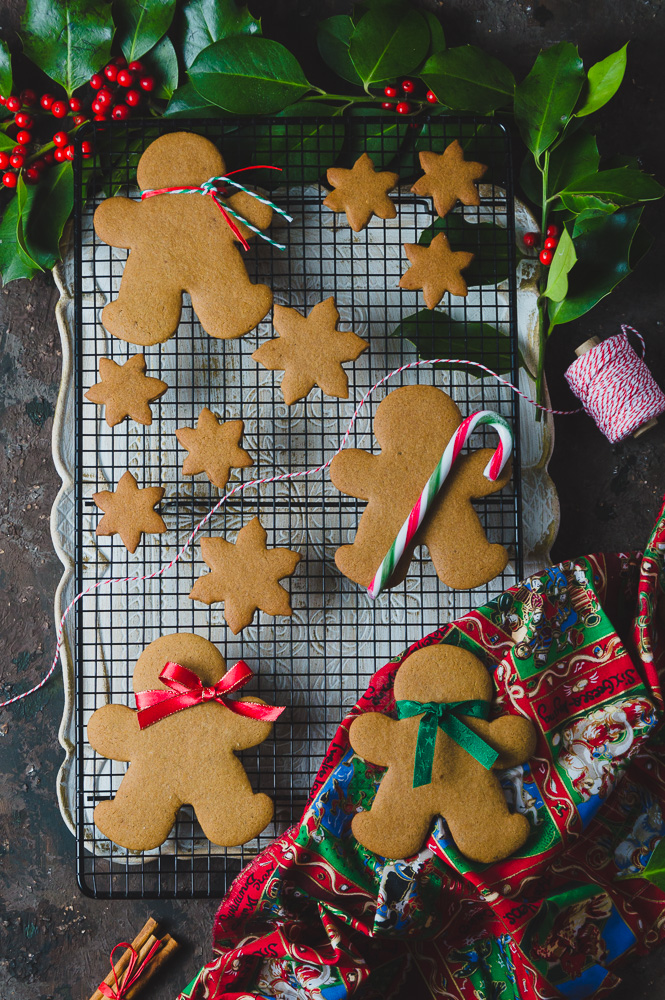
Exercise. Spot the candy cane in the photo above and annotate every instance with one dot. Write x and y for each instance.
(435, 482)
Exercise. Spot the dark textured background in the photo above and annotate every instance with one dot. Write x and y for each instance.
(54, 943)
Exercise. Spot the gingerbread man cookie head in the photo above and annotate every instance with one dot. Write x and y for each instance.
(190, 651)
(416, 406)
(179, 159)
(455, 675)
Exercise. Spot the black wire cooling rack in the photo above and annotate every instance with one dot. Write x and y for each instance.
(319, 661)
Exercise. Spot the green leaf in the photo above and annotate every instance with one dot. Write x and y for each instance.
(655, 869)
(437, 39)
(6, 142)
(47, 208)
(544, 101)
(562, 263)
(14, 263)
(68, 39)
(188, 103)
(248, 75)
(467, 79)
(382, 139)
(604, 79)
(333, 39)
(202, 22)
(485, 240)
(577, 204)
(603, 260)
(623, 186)
(435, 334)
(162, 63)
(5, 70)
(387, 43)
(297, 149)
(575, 157)
(140, 24)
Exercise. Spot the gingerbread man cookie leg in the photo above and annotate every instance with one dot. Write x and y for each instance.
(134, 819)
(237, 304)
(379, 829)
(486, 801)
(146, 319)
(250, 813)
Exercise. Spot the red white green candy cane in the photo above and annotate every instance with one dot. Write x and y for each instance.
(491, 471)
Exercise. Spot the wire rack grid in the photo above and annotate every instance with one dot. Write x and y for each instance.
(318, 661)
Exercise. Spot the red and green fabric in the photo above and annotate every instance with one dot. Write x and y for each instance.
(315, 915)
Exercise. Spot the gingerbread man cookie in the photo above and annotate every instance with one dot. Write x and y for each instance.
(441, 756)
(181, 243)
(413, 426)
(182, 753)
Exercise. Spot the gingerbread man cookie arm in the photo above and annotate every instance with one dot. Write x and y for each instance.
(514, 737)
(354, 472)
(373, 736)
(244, 732)
(113, 731)
(252, 209)
(118, 222)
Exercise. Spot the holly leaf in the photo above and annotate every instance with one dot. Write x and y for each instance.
(435, 334)
(623, 186)
(576, 157)
(46, 209)
(603, 80)
(186, 102)
(5, 70)
(14, 262)
(68, 39)
(544, 101)
(248, 75)
(437, 39)
(140, 24)
(604, 259)
(485, 240)
(388, 42)
(202, 22)
(161, 62)
(563, 261)
(333, 39)
(467, 79)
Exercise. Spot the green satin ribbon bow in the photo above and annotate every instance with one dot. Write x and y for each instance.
(444, 715)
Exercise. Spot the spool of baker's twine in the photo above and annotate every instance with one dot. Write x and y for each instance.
(613, 383)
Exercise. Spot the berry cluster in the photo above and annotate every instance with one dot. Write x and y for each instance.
(116, 91)
(403, 107)
(549, 246)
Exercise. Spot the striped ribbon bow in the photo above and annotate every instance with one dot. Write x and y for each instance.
(445, 715)
(211, 188)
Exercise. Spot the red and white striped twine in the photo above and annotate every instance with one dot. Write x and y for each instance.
(612, 357)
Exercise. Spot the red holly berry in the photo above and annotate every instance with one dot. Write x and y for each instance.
(74, 104)
(96, 81)
(125, 78)
(408, 86)
(23, 137)
(120, 113)
(17, 160)
(96, 108)
(104, 97)
(79, 119)
(49, 157)
(69, 152)
(86, 149)
(132, 98)
(136, 66)
(39, 164)
(147, 83)
(31, 175)
(546, 257)
(20, 150)
(530, 239)
(550, 243)
(403, 108)
(9, 179)
(61, 139)
(387, 105)
(100, 118)
(24, 120)
(390, 91)
(3, 100)
(111, 72)
(59, 109)
(28, 96)
(4, 161)
(120, 61)
(47, 101)
(552, 230)
(431, 97)
(59, 154)
(13, 104)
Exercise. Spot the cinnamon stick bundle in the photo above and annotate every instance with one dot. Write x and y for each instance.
(142, 944)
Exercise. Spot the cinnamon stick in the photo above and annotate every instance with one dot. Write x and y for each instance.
(142, 944)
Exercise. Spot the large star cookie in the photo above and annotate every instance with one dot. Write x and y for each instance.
(125, 390)
(129, 511)
(449, 178)
(310, 350)
(244, 576)
(436, 269)
(214, 448)
(361, 192)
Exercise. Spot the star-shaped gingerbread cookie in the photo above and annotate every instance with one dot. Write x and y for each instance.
(125, 390)
(436, 269)
(214, 448)
(310, 350)
(244, 576)
(449, 178)
(129, 511)
(361, 192)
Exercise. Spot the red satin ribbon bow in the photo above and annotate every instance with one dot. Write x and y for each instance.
(131, 975)
(187, 690)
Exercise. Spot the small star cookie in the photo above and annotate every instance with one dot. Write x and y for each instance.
(125, 390)
(214, 448)
(436, 269)
(310, 350)
(361, 192)
(449, 178)
(244, 576)
(129, 511)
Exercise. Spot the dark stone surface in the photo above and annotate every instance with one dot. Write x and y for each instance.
(53, 941)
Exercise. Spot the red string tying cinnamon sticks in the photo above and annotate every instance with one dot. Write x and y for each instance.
(139, 962)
